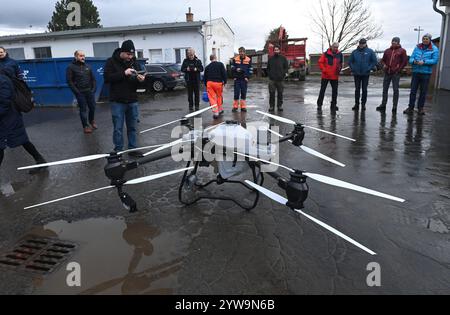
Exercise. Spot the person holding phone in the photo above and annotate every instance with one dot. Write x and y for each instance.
(121, 72)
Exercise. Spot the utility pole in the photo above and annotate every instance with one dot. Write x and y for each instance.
(418, 36)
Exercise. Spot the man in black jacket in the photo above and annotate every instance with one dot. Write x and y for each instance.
(82, 82)
(277, 69)
(121, 72)
(192, 67)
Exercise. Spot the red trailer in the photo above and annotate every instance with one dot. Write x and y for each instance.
(294, 49)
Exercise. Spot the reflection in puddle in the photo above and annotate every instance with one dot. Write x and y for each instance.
(116, 257)
(7, 190)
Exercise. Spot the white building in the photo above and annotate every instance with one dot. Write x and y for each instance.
(159, 43)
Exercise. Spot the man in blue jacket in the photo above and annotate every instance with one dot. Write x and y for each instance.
(361, 62)
(424, 57)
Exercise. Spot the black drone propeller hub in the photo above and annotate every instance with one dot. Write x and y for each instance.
(297, 190)
(115, 169)
(298, 135)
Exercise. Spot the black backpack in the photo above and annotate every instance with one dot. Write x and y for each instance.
(23, 96)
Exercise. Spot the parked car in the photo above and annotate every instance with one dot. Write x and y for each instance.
(162, 77)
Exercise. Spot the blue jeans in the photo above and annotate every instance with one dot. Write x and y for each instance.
(124, 113)
(419, 80)
(86, 100)
(240, 89)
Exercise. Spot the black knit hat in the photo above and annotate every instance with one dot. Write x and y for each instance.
(128, 46)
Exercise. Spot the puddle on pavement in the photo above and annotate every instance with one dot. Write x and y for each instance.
(116, 257)
(10, 189)
(7, 190)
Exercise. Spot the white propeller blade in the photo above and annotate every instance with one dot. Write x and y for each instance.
(141, 148)
(70, 161)
(264, 161)
(332, 181)
(280, 119)
(283, 201)
(321, 156)
(334, 231)
(164, 125)
(130, 182)
(84, 158)
(268, 193)
(338, 183)
(166, 146)
(200, 112)
(215, 126)
(275, 133)
(178, 120)
(312, 152)
(330, 133)
(291, 122)
(70, 197)
(157, 176)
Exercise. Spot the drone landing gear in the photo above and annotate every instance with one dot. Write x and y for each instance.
(127, 201)
(190, 181)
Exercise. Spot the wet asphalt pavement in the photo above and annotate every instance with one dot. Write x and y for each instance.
(218, 248)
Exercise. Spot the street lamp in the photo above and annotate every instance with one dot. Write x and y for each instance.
(418, 36)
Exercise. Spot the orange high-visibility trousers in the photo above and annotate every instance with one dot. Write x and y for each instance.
(215, 92)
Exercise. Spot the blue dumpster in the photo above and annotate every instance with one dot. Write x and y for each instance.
(47, 79)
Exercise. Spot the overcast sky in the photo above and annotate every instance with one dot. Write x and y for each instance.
(251, 20)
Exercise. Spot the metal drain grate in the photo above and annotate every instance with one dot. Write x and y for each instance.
(38, 255)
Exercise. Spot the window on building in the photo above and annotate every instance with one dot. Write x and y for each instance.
(140, 54)
(16, 53)
(42, 52)
(104, 50)
(180, 55)
(156, 56)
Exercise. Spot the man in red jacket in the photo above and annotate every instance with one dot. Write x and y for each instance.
(331, 64)
(394, 61)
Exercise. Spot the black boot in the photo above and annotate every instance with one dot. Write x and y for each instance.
(40, 160)
(381, 108)
(355, 108)
(271, 109)
(409, 111)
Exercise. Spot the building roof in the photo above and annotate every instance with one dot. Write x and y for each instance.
(161, 27)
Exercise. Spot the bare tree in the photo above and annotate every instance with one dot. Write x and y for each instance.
(344, 21)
